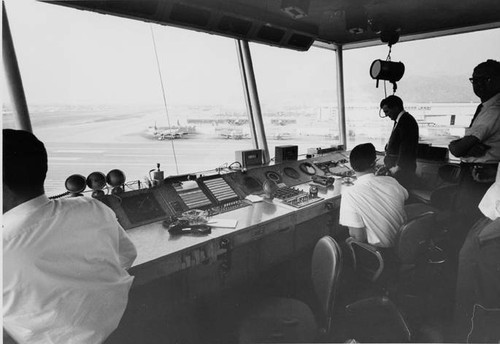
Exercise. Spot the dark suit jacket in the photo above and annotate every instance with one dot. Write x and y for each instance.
(402, 147)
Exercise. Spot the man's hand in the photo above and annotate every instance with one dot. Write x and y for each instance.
(483, 175)
(477, 150)
(382, 171)
(461, 147)
(394, 170)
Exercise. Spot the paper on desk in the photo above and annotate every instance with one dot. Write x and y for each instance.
(224, 223)
(254, 198)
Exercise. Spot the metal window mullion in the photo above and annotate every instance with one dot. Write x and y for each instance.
(13, 75)
(246, 92)
(340, 94)
(253, 97)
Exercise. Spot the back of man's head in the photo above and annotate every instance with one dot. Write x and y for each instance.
(392, 101)
(24, 161)
(363, 157)
(490, 67)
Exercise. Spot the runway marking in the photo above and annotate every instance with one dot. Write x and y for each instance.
(79, 151)
(64, 158)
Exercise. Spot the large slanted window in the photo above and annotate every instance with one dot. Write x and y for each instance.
(435, 87)
(297, 92)
(99, 101)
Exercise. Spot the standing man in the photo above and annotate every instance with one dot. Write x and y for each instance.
(64, 261)
(479, 149)
(401, 150)
(373, 208)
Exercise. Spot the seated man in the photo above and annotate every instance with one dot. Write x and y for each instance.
(64, 261)
(478, 282)
(373, 208)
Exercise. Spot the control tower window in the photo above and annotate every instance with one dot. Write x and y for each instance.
(435, 88)
(102, 102)
(298, 96)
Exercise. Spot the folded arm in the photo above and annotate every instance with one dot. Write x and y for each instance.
(468, 146)
(127, 249)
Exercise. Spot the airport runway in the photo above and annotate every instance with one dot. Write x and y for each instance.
(138, 158)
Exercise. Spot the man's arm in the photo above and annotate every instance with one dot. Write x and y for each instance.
(407, 153)
(467, 146)
(127, 250)
(490, 231)
(359, 234)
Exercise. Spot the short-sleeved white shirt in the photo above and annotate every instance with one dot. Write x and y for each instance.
(376, 203)
(486, 128)
(64, 277)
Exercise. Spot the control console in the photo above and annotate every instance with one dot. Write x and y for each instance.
(295, 197)
(212, 194)
(221, 193)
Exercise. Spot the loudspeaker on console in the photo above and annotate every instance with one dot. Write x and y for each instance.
(285, 153)
(247, 158)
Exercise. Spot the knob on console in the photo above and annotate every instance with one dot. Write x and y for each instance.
(96, 181)
(75, 184)
(116, 178)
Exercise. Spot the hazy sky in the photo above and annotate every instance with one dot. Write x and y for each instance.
(69, 56)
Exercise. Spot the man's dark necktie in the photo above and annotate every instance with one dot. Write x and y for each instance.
(478, 110)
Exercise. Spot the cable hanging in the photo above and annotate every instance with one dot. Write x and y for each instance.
(164, 97)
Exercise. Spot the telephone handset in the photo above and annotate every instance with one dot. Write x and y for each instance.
(308, 168)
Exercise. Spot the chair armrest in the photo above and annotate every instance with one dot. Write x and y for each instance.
(372, 273)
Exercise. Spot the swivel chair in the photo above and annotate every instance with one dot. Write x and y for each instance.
(374, 318)
(377, 320)
(279, 320)
(443, 197)
(414, 210)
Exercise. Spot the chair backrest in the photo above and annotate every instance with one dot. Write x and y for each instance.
(414, 210)
(367, 260)
(414, 238)
(449, 173)
(325, 270)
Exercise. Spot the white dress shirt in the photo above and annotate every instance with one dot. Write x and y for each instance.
(376, 203)
(490, 203)
(397, 119)
(486, 127)
(64, 277)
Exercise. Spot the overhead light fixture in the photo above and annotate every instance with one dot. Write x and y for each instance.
(295, 8)
(388, 70)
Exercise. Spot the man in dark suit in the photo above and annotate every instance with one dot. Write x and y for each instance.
(401, 150)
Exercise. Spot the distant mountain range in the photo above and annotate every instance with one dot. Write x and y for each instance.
(438, 89)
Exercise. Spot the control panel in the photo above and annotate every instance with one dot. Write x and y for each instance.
(295, 197)
(221, 193)
(139, 207)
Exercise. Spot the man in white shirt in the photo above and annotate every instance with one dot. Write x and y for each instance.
(373, 208)
(64, 261)
(479, 149)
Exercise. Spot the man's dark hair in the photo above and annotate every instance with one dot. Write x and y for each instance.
(491, 67)
(362, 157)
(392, 101)
(24, 160)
